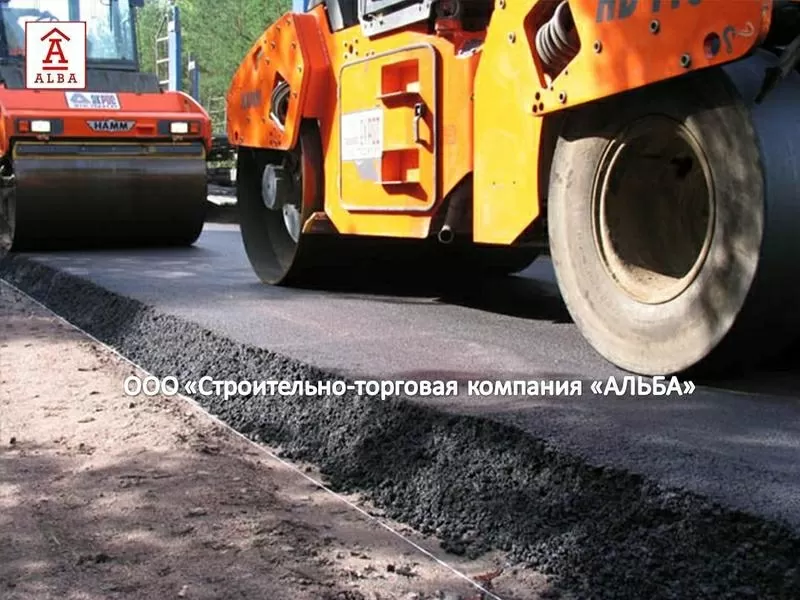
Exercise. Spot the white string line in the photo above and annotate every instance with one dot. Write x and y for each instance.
(260, 448)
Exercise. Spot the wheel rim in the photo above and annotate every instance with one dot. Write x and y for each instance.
(291, 218)
(292, 208)
(653, 210)
(283, 199)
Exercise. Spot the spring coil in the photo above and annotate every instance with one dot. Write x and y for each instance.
(279, 103)
(557, 41)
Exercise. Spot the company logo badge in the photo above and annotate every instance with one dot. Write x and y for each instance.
(55, 55)
(92, 100)
(111, 125)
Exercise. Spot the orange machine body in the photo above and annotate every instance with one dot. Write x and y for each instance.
(406, 116)
(137, 117)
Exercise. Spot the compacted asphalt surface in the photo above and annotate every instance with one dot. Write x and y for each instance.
(736, 441)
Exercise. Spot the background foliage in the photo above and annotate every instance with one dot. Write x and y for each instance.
(217, 33)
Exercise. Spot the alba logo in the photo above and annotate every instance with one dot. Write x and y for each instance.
(55, 55)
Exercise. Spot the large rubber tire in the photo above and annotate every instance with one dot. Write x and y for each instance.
(738, 301)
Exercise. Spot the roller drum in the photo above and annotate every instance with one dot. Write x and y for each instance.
(71, 195)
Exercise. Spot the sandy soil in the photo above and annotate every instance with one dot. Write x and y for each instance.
(107, 496)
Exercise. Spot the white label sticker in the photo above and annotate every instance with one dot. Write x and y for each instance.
(92, 100)
(362, 134)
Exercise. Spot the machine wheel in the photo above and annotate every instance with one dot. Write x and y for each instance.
(673, 221)
(276, 193)
(71, 203)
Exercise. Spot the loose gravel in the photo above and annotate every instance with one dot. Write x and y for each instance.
(476, 484)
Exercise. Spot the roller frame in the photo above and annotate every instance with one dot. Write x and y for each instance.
(499, 114)
(509, 98)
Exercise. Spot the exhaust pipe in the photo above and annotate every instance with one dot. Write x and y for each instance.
(446, 235)
(459, 213)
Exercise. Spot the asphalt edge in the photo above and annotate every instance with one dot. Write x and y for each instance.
(263, 449)
(476, 484)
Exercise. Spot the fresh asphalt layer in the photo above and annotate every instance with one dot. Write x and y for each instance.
(573, 487)
(735, 441)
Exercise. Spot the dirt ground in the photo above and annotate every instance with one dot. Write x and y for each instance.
(108, 496)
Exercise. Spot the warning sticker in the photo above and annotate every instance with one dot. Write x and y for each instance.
(362, 134)
(90, 100)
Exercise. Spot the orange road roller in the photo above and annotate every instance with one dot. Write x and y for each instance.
(651, 146)
(120, 163)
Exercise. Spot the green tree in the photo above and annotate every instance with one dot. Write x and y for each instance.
(148, 20)
(217, 33)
